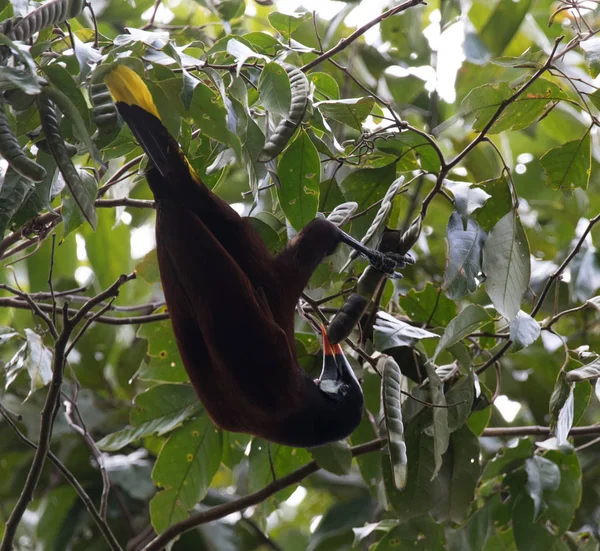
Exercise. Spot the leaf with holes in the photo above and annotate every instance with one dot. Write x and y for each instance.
(300, 174)
(188, 462)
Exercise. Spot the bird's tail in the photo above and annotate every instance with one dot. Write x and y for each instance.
(136, 107)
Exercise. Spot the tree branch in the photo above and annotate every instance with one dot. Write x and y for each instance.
(255, 498)
(539, 430)
(562, 267)
(109, 320)
(50, 408)
(72, 480)
(345, 42)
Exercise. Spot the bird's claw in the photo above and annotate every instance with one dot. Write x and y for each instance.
(388, 262)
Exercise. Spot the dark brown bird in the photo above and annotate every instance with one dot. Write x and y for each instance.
(232, 303)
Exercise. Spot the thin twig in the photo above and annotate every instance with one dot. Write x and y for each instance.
(72, 480)
(345, 42)
(75, 421)
(109, 320)
(538, 430)
(565, 263)
(246, 501)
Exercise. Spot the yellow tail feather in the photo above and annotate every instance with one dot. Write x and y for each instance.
(127, 86)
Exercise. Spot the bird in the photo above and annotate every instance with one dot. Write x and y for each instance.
(232, 303)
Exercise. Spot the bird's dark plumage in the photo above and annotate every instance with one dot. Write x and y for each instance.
(232, 303)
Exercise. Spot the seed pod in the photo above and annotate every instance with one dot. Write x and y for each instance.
(285, 129)
(59, 150)
(11, 150)
(104, 112)
(50, 13)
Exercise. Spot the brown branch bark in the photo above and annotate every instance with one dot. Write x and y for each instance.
(255, 498)
(50, 407)
(345, 42)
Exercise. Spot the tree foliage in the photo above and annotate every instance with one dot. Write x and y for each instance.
(487, 176)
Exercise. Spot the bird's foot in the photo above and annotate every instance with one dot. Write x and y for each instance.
(387, 263)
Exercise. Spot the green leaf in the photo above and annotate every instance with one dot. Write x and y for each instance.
(157, 411)
(283, 459)
(463, 468)
(86, 194)
(16, 79)
(325, 85)
(565, 419)
(460, 401)
(506, 264)
(189, 460)
(503, 25)
(391, 332)
(300, 174)
(274, 89)
(509, 458)
(287, 24)
(335, 457)
(72, 113)
(524, 331)
(13, 192)
(562, 503)
(542, 475)
(529, 535)
(165, 361)
(38, 361)
(209, 114)
(470, 319)
(392, 412)
(351, 112)
(166, 510)
(428, 306)
(63, 80)
(568, 166)
(467, 198)
(464, 250)
(429, 535)
(585, 373)
(417, 497)
(408, 143)
(369, 464)
(591, 49)
(484, 101)
(108, 237)
(147, 268)
(497, 206)
(439, 430)
(53, 514)
(366, 187)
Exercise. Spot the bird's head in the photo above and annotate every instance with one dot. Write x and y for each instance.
(337, 378)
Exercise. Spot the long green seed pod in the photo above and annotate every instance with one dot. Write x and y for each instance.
(11, 150)
(285, 129)
(50, 13)
(59, 150)
(104, 112)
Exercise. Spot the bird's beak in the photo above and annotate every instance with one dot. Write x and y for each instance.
(337, 376)
(331, 371)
